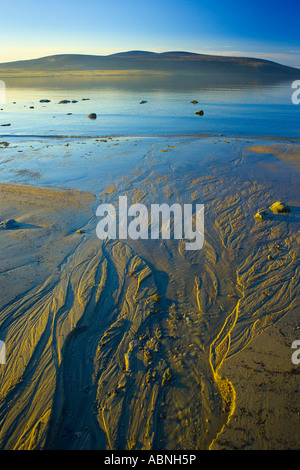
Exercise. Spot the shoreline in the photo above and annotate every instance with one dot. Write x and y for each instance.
(150, 136)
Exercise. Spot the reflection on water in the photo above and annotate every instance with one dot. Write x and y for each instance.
(248, 109)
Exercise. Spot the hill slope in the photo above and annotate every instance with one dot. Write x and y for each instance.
(167, 62)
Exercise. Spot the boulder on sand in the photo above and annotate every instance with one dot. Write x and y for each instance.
(9, 224)
(261, 215)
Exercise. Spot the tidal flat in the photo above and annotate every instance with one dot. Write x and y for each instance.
(141, 344)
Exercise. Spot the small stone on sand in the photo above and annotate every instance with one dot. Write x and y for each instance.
(261, 215)
(9, 224)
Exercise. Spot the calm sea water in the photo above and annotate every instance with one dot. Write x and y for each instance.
(256, 110)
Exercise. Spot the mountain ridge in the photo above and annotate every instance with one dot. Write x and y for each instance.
(170, 62)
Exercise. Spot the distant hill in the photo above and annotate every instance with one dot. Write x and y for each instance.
(166, 62)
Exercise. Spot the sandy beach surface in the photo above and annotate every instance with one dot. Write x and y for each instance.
(141, 344)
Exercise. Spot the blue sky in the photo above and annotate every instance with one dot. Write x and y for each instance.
(258, 28)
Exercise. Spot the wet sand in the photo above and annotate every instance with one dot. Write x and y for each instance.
(124, 344)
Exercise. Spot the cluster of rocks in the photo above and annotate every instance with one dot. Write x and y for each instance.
(199, 113)
(94, 115)
(67, 101)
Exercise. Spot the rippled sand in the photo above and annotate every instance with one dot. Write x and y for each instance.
(136, 344)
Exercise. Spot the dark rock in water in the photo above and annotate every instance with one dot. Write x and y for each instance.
(143, 102)
(85, 99)
(4, 144)
(74, 101)
(31, 107)
(9, 224)
(200, 113)
(280, 208)
(45, 101)
(69, 114)
(92, 116)
(64, 102)
(194, 102)
(4, 125)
